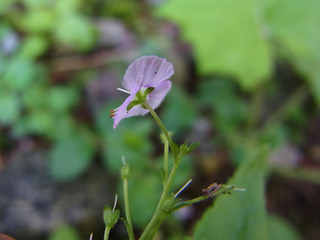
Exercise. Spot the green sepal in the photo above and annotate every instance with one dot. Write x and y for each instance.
(110, 217)
(125, 171)
(140, 98)
(148, 91)
(193, 146)
(133, 103)
(175, 150)
(186, 148)
(163, 175)
(164, 138)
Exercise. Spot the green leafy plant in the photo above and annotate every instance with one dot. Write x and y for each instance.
(243, 39)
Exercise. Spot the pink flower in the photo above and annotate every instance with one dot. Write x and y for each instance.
(149, 73)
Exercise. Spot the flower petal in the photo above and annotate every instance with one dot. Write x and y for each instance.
(147, 71)
(159, 93)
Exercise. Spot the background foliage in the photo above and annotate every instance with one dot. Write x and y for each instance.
(246, 76)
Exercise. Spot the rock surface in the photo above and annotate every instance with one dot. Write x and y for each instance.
(32, 204)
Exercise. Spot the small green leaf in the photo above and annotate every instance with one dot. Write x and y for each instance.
(184, 149)
(64, 233)
(110, 217)
(75, 31)
(35, 98)
(9, 108)
(19, 74)
(175, 149)
(61, 99)
(70, 156)
(33, 46)
(193, 146)
(64, 7)
(38, 20)
(40, 122)
(241, 215)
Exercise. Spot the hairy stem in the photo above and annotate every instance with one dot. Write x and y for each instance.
(158, 215)
(158, 121)
(166, 160)
(126, 204)
(106, 233)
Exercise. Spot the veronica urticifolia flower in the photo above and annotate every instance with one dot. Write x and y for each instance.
(147, 79)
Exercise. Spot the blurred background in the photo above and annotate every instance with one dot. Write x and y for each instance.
(247, 72)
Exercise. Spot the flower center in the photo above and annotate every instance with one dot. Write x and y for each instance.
(140, 97)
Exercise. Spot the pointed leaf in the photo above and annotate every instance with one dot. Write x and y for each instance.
(241, 215)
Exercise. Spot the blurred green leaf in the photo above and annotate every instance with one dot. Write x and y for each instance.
(70, 156)
(40, 122)
(75, 31)
(110, 217)
(179, 111)
(34, 46)
(3, 66)
(65, 233)
(275, 135)
(226, 35)
(241, 215)
(62, 98)
(35, 97)
(279, 229)
(144, 193)
(4, 4)
(19, 74)
(130, 139)
(126, 10)
(45, 123)
(34, 4)
(230, 111)
(294, 27)
(9, 108)
(65, 7)
(39, 20)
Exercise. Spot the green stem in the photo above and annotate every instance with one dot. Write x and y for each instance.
(106, 233)
(166, 160)
(126, 201)
(129, 229)
(158, 121)
(158, 215)
(224, 189)
(125, 176)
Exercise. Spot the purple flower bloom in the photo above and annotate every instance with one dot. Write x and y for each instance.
(147, 72)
